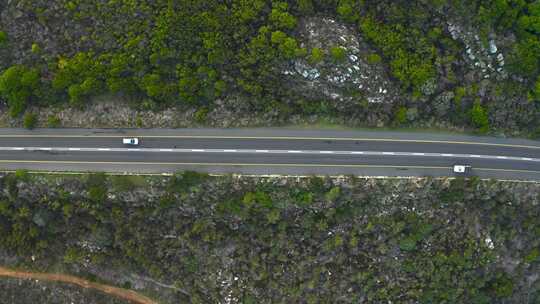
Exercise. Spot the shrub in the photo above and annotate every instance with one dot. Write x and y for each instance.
(338, 53)
(317, 55)
(401, 115)
(183, 181)
(97, 194)
(30, 120)
(127, 183)
(479, 117)
(374, 58)
(36, 49)
(200, 115)
(53, 121)
(96, 179)
(3, 38)
(21, 174)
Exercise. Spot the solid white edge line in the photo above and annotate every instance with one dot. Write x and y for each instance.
(229, 150)
(326, 152)
(74, 149)
(502, 157)
(165, 150)
(104, 149)
(357, 152)
(261, 151)
(419, 154)
(197, 150)
(447, 154)
(475, 156)
(526, 158)
(294, 151)
(388, 153)
(45, 149)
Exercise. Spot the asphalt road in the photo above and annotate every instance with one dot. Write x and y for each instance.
(269, 151)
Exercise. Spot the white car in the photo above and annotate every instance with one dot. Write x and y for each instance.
(462, 169)
(131, 141)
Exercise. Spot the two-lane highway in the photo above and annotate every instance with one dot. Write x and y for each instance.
(268, 151)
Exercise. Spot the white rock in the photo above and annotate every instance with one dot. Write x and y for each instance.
(489, 243)
(492, 47)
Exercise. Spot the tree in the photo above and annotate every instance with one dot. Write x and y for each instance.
(280, 18)
(18, 84)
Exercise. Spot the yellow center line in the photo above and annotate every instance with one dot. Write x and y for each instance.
(253, 165)
(277, 138)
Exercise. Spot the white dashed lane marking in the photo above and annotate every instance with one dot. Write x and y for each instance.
(358, 153)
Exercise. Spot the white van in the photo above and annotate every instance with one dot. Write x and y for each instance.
(131, 141)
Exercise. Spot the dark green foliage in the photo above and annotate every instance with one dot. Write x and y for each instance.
(182, 181)
(479, 117)
(401, 115)
(195, 54)
(3, 38)
(316, 55)
(29, 120)
(53, 121)
(18, 84)
(306, 239)
(338, 53)
(413, 69)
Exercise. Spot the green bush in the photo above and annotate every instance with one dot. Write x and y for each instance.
(29, 120)
(3, 38)
(53, 121)
(97, 194)
(128, 182)
(22, 174)
(401, 115)
(374, 58)
(479, 117)
(36, 49)
(200, 115)
(316, 56)
(338, 53)
(96, 179)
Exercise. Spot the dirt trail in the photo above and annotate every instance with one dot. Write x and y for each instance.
(115, 291)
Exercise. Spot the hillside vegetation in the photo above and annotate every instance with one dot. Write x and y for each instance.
(197, 239)
(449, 63)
